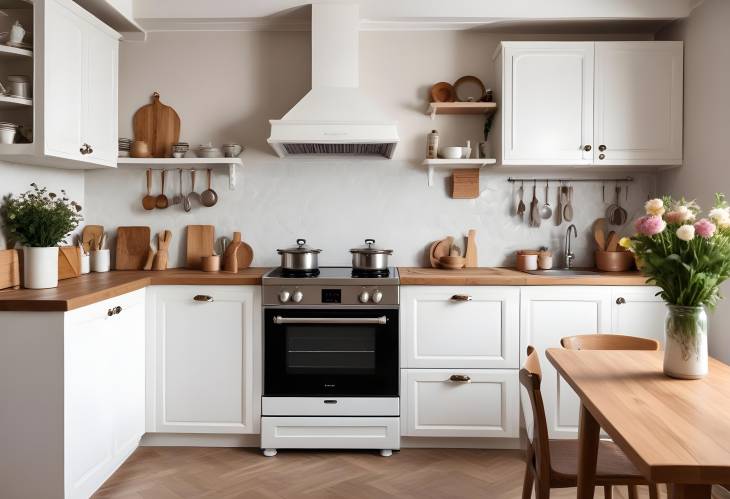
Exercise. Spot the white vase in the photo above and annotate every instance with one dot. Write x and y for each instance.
(40, 267)
(685, 342)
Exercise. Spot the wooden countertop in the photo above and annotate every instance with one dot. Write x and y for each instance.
(95, 287)
(498, 276)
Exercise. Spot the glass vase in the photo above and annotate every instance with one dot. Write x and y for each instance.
(685, 342)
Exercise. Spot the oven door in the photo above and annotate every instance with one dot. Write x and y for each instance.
(330, 352)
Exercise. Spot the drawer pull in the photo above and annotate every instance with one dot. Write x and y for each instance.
(460, 378)
(620, 300)
(114, 311)
(330, 401)
(110, 312)
(461, 298)
(117, 309)
(203, 298)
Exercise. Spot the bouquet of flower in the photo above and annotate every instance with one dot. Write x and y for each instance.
(688, 257)
(39, 218)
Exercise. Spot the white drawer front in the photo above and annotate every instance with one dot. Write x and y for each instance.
(434, 406)
(441, 331)
(329, 433)
(330, 406)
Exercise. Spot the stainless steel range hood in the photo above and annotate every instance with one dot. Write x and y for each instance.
(334, 118)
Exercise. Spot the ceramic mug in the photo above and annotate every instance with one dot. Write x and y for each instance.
(100, 260)
(85, 263)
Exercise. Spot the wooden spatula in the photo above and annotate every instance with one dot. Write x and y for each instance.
(599, 234)
(612, 244)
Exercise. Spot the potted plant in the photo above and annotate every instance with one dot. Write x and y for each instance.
(39, 220)
(688, 257)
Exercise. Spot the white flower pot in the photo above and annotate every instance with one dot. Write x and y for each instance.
(40, 267)
(685, 342)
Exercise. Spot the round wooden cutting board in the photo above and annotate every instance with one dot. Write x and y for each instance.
(158, 125)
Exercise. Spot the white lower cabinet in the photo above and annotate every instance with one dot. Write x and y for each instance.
(549, 313)
(73, 398)
(484, 404)
(204, 362)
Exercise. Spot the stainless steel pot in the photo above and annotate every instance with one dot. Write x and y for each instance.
(370, 257)
(299, 258)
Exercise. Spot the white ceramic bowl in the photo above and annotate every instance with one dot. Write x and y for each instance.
(451, 152)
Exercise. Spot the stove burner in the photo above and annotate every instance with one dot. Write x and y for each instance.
(370, 273)
(299, 273)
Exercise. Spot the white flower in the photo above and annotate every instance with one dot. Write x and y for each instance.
(685, 214)
(686, 232)
(720, 217)
(654, 207)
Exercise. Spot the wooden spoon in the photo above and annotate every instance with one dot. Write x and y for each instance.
(599, 234)
(162, 201)
(149, 201)
(612, 244)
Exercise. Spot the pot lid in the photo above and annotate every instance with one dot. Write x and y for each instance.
(301, 247)
(371, 249)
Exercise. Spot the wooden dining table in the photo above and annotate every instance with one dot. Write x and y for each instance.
(674, 431)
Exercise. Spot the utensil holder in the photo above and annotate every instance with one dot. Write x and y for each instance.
(614, 261)
(100, 260)
(85, 263)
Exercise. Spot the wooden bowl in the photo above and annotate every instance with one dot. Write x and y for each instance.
(443, 92)
(614, 261)
(469, 89)
(452, 262)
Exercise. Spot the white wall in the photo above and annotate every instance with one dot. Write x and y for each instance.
(16, 179)
(706, 126)
(226, 85)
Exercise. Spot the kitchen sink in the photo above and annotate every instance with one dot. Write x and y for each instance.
(563, 272)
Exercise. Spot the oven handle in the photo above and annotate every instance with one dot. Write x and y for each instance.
(330, 320)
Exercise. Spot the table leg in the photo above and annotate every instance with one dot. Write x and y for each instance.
(588, 434)
(687, 491)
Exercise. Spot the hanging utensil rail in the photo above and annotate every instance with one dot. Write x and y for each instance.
(569, 180)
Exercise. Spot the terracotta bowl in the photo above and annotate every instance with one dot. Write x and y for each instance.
(452, 262)
(614, 261)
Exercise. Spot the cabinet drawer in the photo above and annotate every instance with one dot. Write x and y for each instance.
(441, 329)
(102, 309)
(432, 405)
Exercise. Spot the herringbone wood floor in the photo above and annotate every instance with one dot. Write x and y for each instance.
(222, 473)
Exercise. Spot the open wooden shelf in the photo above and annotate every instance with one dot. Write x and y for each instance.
(231, 163)
(454, 164)
(435, 108)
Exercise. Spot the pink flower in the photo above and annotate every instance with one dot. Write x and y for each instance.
(650, 225)
(705, 228)
(673, 217)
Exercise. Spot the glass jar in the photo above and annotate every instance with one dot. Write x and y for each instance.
(685, 342)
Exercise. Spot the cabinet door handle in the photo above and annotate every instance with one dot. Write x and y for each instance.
(86, 149)
(602, 148)
(461, 298)
(601, 156)
(459, 378)
(203, 298)
(117, 309)
(620, 300)
(110, 312)
(587, 148)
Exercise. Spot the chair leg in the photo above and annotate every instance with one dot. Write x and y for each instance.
(527, 485)
(542, 490)
(607, 491)
(653, 491)
(633, 492)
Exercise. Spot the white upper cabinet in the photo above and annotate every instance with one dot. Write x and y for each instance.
(547, 103)
(638, 103)
(590, 103)
(74, 110)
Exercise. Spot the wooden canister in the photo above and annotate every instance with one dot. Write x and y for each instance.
(210, 263)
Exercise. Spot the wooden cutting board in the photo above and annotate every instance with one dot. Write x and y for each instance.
(9, 269)
(164, 239)
(199, 243)
(471, 249)
(438, 249)
(244, 255)
(91, 233)
(69, 262)
(133, 245)
(465, 184)
(158, 125)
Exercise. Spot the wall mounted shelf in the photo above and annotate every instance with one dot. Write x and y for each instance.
(231, 163)
(7, 51)
(7, 102)
(485, 108)
(454, 164)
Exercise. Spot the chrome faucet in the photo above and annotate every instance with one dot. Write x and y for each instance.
(569, 255)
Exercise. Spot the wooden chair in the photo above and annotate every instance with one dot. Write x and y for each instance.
(554, 463)
(608, 342)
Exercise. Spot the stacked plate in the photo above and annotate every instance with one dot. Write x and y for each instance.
(124, 146)
(179, 149)
(208, 151)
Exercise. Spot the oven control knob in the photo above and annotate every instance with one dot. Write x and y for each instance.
(284, 296)
(297, 297)
(377, 296)
(364, 297)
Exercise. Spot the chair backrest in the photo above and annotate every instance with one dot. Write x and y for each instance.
(608, 342)
(530, 378)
